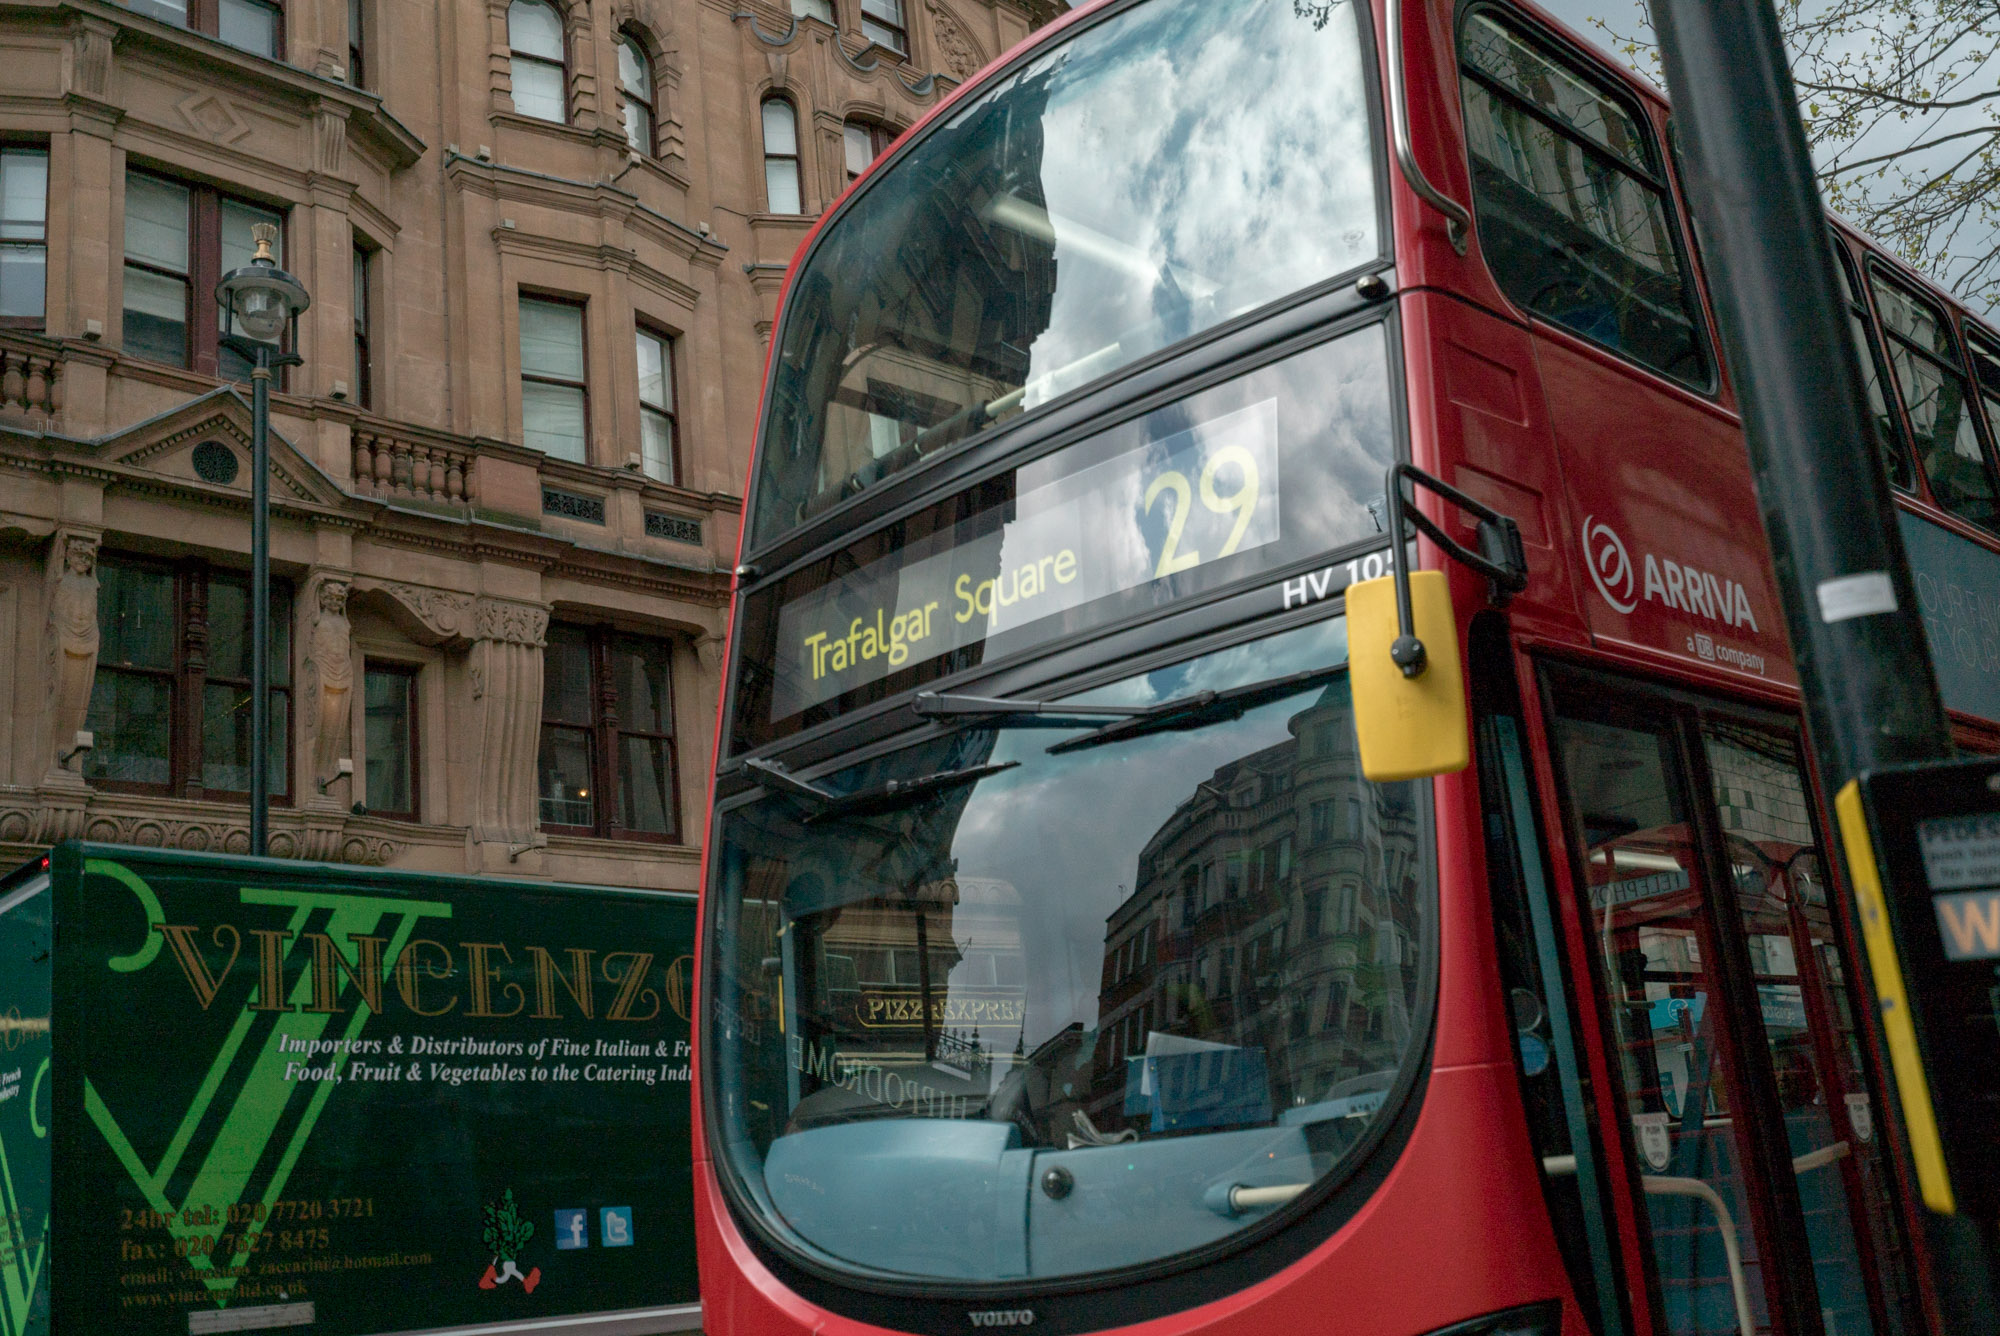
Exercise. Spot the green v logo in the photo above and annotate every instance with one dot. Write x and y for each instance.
(240, 1165)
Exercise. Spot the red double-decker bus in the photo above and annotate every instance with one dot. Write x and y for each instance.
(1059, 964)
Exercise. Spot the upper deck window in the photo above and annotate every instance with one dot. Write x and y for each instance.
(1986, 370)
(1171, 167)
(1888, 437)
(1574, 214)
(1936, 399)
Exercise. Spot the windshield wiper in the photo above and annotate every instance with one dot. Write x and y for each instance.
(1000, 712)
(826, 805)
(1200, 709)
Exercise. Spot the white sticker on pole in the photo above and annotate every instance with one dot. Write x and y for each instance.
(1849, 596)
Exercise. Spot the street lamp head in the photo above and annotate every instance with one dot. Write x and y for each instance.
(260, 299)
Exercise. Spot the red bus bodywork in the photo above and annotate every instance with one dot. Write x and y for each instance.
(1582, 448)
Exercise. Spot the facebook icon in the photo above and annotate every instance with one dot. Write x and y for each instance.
(615, 1226)
(570, 1230)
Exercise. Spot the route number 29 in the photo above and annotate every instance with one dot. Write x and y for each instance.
(1242, 503)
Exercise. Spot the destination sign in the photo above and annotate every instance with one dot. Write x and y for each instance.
(1170, 504)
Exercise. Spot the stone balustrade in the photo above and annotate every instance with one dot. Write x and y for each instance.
(31, 385)
(391, 466)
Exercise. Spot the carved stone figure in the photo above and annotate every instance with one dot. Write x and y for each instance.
(960, 52)
(72, 639)
(329, 678)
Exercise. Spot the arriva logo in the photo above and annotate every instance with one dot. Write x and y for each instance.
(1610, 565)
(1672, 584)
(1003, 1317)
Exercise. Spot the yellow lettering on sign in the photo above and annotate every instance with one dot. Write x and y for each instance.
(1974, 925)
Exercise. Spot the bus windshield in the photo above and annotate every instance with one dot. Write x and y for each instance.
(970, 1036)
(1173, 166)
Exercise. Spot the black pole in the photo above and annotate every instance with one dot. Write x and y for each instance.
(1871, 695)
(260, 603)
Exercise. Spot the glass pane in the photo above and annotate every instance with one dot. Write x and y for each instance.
(980, 989)
(551, 339)
(656, 372)
(1915, 319)
(1179, 165)
(638, 127)
(1888, 432)
(390, 708)
(635, 72)
(156, 222)
(640, 675)
(1947, 442)
(167, 11)
(889, 11)
(781, 185)
(781, 128)
(229, 629)
(534, 28)
(552, 420)
(656, 444)
(538, 90)
(1986, 369)
(249, 25)
(1498, 53)
(860, 146)
(135, 616)
(155, 316)
(225, 739)
(1656, 960)
(1579, 240)
(645, 785)
(565, 778)
(892, 38)
(131, 719)
(23, 280)
(24, 194)
(567, 696)
(1807, 1018)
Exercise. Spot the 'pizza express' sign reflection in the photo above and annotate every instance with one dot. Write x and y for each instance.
(1170, 505)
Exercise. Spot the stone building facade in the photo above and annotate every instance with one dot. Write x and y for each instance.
(544, 240)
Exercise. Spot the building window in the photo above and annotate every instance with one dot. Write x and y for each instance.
(555, 405)
(357, 46)
(864, 144)
(364, 362)
(254, 25)
(24, 235)
(389, 704)
(814, 9)
(656, 406)
(179, 241)
(540, 76)
(607, 761)
(781, 156)
(170, 707)
(635, 94)
(1937, 403)
(1322, 823)
(882, 23)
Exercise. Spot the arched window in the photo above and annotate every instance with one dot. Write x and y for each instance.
(781, 156)
(535, 40)
(635, 93)
(864, 143)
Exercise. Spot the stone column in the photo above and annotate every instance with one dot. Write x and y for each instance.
(70, 634)
(505, 671)
(327, 698)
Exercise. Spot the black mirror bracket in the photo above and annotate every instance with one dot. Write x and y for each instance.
(1501, 558)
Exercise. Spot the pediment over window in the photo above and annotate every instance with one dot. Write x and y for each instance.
(205, 445)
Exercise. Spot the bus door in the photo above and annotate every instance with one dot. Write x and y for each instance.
(1740, 1120)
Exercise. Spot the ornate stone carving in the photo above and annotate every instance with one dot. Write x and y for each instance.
(448, 616)
(960, 53)
(507, 723)
(329, 678)
(90, 61)
(512, 623)
(212, 115)
(330, 141)
(71, 636)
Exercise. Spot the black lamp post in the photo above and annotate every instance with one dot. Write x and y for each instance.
(264, 302)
